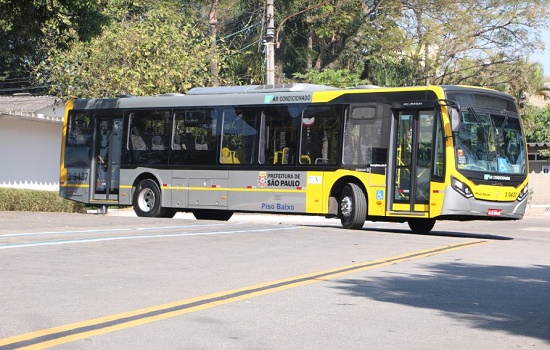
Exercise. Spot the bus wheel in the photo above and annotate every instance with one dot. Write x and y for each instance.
(353, 207)
(212, 214)
(421, 226)
(146, 200)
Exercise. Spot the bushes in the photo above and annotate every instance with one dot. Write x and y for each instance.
(13, 199)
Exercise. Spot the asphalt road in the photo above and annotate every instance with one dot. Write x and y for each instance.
(116, 281)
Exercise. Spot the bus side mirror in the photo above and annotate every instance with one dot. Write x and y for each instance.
(455, 119)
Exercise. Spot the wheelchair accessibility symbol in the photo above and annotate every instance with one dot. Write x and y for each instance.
(379, 195)
(502, 165)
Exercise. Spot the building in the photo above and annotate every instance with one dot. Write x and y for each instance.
(30, 140)
(539, 174)
(539, 167)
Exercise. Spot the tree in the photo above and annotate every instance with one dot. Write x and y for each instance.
(540, 130)
(332, 77)
(380, 42)
(330, 34)
(452, 42)
(29, 29)
(213, 21)
(412, 42)
(241, 27)
(162, 51)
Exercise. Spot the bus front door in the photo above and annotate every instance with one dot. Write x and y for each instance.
(106, 164)
(410, 163)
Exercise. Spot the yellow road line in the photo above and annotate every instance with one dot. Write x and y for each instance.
(71, 332)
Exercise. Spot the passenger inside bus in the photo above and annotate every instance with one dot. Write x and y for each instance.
(137, 141)
(157, 144)
(178, 143)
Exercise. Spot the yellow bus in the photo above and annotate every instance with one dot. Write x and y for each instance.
(414, 154)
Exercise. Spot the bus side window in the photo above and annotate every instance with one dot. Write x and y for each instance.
(321, 135)
(79, 140)
(194, 137)
(279, 139)
(366, 136)
(239, 138)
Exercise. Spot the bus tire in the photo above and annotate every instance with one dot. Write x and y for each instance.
(147, 200)
(421, 226)
(212, 214)
(353, 207)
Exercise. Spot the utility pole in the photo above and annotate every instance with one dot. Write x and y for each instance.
(270, 43)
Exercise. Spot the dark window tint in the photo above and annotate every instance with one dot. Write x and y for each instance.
(194, 137)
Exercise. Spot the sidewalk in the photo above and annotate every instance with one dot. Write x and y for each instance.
(538, 211)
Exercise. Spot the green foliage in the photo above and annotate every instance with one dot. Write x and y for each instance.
(30, 28)
(470, 39)
(157, 51)
(154, 47)
(390, 71)
(332, 77)
(545, 153)
(540, 130)
(12, 199)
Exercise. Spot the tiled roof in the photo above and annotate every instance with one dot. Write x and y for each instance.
(43, 108)
(25, 103)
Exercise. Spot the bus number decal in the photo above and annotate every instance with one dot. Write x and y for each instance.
(77, 176)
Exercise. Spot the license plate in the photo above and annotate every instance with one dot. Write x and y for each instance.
(494, 212)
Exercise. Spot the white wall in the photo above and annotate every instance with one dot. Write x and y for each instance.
(29, 154)
(540, 185)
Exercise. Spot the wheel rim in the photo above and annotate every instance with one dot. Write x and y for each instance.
(146, 200)
(346, 206)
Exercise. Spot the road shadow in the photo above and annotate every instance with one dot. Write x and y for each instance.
(497, 298)
(406, 231)
(438, 233)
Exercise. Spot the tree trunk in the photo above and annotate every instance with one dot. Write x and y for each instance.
(213, 19)
(309, 58)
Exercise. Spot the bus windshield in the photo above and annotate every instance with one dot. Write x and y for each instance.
(490, 142)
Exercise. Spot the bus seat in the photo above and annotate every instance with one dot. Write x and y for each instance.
(305, 159)
(228, 157)
(282, 156)
(201, 144)
(322, 161)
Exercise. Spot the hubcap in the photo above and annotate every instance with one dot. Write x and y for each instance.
(146, 200)
(346, 206)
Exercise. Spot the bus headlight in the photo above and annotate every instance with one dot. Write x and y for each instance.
(461, 188)
(523, 193)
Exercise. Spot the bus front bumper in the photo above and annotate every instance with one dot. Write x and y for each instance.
(457, 206)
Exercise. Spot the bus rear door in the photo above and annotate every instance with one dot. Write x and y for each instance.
(106, 160)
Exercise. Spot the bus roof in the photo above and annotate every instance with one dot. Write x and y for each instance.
(251, 89)
(252, 95)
